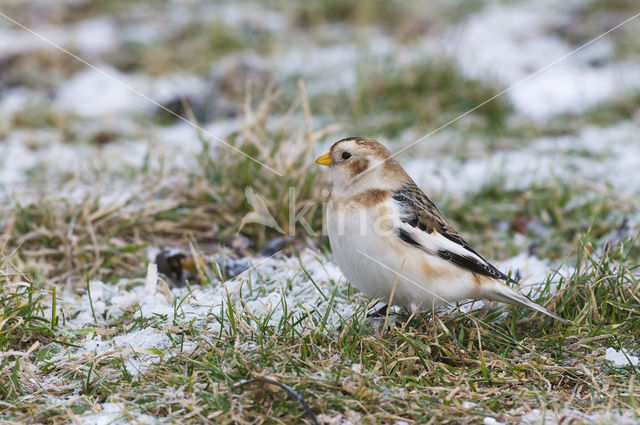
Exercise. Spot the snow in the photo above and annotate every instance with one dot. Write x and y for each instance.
(134, 346)
(252, 16)
(16, 41)
(510, 42)
(95, 36)
(11, 102)
(622, 358)
(89, 93)
(103, 90)
(92, 37)
(608, 158)
(331, 68)
(109, 413)
(564, 416)
(261, 290)
(112, 414)
(534, 273)
(490, 421)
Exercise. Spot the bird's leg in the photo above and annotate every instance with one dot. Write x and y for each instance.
(381, 312)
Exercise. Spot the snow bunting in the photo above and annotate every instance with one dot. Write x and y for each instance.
(391, 241)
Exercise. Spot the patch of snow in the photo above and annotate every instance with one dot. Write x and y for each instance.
(151, 281)
(95, 36)
(534, 273)
(530, 268)
(329, 68)
(491, 421)
(621, 358)
(106, 91)
(510, 42)
(20, 42)
(25, 150)
(351, 418)
(564, 416)
(12, 101)
(112, 413)
(109, 413)
(181, 137)
(245, 16)
(608, 158)
(110, 300)
(89, 93)
(135, 347)
(265, 290)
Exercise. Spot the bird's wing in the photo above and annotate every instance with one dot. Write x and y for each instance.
(423, 226)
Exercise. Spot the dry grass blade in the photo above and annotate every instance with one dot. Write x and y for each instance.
(293, 394)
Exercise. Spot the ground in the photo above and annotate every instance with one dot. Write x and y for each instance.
(133, 129)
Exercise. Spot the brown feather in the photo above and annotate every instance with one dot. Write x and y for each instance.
(367, 199)
(358, 166)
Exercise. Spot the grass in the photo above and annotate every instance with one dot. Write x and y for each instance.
(427, 366)
(192, 49)
(388, 99)
(599, 16)
(85, 236)
(551, 215)
(76, 309)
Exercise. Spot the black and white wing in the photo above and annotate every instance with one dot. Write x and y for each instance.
(423, 226)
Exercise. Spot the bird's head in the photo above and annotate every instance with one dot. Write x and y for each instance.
(358, 164)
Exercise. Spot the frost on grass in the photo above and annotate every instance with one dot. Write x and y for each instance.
(273, 289)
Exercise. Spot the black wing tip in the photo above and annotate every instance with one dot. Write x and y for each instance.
(406, 237)
(472, 264)
(508, 278)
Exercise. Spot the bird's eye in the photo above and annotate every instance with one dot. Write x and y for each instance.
(346, 155)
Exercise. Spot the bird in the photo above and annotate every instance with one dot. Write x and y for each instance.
(391, 241)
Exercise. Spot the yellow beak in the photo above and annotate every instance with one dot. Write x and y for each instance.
(324, 159)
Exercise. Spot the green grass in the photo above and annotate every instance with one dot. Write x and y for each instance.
(617, 110)
(598, 16)
(552, 216)
(387, 100)
(402, 19)
(23, 328)
(424, 367)
(192, 49)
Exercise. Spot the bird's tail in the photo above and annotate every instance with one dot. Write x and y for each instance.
(503, 293)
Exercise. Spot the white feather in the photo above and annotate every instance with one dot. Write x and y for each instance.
(373, 259)
(376, 260)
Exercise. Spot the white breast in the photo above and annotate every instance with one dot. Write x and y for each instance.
(373, 259)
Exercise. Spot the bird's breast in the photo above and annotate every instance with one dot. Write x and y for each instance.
(359, 237)
(375, 260)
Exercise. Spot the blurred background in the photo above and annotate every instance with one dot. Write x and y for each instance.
(95, 129)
